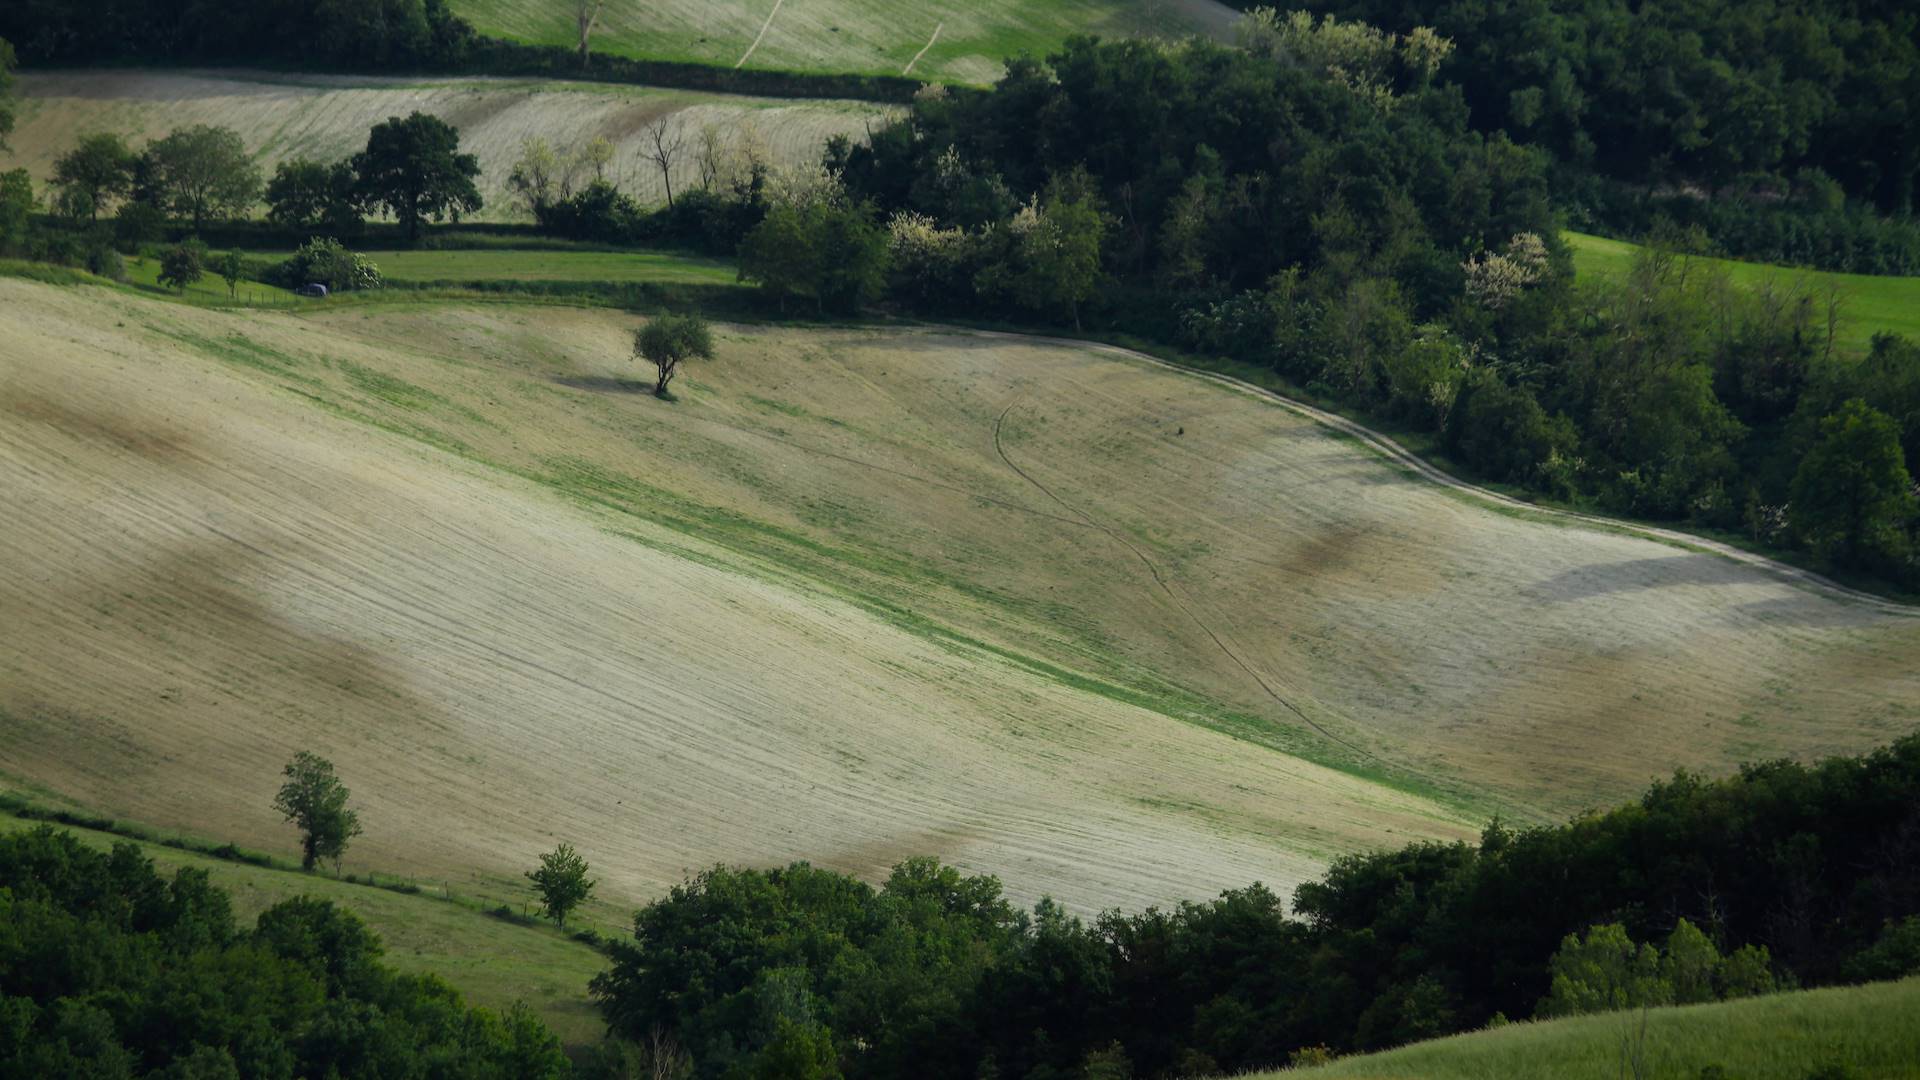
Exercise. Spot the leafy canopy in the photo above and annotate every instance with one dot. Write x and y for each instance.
(561, 882)
(413, 168)
(315, 801)
(668, 340)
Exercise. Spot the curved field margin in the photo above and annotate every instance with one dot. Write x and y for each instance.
(327, 117)
(1047, 610)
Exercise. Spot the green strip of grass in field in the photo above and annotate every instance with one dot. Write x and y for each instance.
(1870, 303)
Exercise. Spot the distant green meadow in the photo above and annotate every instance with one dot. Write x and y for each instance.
(870, 37)
(1870, 304)
(1860, 1032)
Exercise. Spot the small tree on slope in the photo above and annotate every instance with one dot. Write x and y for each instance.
(315, 800)
(561, 882)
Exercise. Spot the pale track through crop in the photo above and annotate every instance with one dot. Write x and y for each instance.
(1161, 580)
(1419, 466)
(763, 33)
(923, 49)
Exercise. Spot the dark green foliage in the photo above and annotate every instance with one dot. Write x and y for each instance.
(203, 173)
(232, 267)
(825, 249)
(561, 882)
(7, 61)
(413, 169)
(326, 261)
(1853, 497)
(342, 33)
(1805, 872)
(107, 969)
(315, 801)
(667, 341)
(305, 193)
(16, 209)
(183, 264)
(94, 173)
(1691, 91)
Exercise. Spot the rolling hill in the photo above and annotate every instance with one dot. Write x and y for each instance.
(945, 40)
(327, 117)
(1050, 611)
(1859, 1031)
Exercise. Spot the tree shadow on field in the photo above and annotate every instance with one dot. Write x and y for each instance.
(1804, 611)
(606, 384)
(1586, 582)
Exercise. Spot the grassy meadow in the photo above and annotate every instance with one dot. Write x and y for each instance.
(1870, 303)
(611, 267)
(1786, 1036)
(493, 962)
(864, 36)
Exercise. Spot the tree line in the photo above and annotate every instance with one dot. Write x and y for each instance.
(1781, 876)
(1758, 121)
(1702, 890)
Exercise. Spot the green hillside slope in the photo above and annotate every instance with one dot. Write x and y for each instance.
(1870, 1030)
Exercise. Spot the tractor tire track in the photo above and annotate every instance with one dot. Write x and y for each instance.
(1160, 579)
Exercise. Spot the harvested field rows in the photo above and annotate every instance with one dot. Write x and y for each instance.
(327, 117)
(1106, 630)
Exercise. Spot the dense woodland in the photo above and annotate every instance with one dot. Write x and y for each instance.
(1784, 872)
(108, 969)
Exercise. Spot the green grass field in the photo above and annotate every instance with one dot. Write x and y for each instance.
(144, 274)
(622, 267)
(1870, 1029)
(1870, 304)
(494, 962)
(975, 37)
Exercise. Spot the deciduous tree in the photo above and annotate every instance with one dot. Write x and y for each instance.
(414, 169)
(1853, 497)
(315, 801)
(668, 340)
(203, 172)
(93, 173)
(561, 882)
(183, 264)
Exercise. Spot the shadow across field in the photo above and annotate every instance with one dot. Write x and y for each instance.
(605, 384)
(1587, 582)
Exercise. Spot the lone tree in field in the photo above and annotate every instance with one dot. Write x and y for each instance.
(203, 172)
(414, 169)
(668, 340)
(316, 801)
(561, 882)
